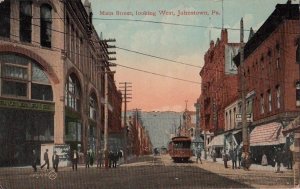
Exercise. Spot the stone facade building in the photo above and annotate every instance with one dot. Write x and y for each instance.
(52, 65)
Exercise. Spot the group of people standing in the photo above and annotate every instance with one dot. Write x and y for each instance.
(55, 160)
(75, 159)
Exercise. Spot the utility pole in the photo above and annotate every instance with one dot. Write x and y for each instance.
(105, 58)
(243, 91)
(125, 88)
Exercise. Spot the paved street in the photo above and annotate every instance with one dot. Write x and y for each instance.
(146, 173)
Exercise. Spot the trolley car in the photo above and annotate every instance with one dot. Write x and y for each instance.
(180, 148)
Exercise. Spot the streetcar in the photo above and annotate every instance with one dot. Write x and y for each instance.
(179, 148)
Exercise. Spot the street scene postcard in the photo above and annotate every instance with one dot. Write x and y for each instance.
(154, 94)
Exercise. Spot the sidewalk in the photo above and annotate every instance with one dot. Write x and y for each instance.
(252, 167)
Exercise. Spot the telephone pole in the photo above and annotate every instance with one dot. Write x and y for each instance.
(126, 89)
(243, 91)
(106, 64)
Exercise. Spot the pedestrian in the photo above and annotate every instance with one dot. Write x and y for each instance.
(34, 160)
(239, 156)
(110, 157)
(225, 159)
(75, 157)
(246, 160)
(55, 161)
(289, 156)
(115, 159)
(99, 159)
(278, 160)
(91, 160)
(46, 159)
(264, 160)
(198, 155)
(214, 155)
(233, 156)
(87, 159)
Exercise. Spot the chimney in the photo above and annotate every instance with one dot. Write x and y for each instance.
(224, 36)
(212, 44)
(251, 33)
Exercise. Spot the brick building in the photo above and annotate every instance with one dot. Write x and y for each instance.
(52, 65)
(271, 68)
(219, 83)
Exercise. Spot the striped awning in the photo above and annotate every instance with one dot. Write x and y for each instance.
(217, 141)
(268, 134)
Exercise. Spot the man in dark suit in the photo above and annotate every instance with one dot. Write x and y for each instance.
(55, 161)
(46, 159)
(74, 158)
(34, 160)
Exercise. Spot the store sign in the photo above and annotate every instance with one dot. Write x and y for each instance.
(26, 105)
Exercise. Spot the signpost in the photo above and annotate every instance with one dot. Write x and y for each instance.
(238, 117)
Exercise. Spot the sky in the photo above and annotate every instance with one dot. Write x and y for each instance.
(186, 45)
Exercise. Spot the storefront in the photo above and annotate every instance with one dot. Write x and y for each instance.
(26, 109)
(266, 139)
(24, 126)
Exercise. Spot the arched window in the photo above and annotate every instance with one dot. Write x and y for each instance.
(93, 107)
(73, 93)
(46, 25)
(18, 81)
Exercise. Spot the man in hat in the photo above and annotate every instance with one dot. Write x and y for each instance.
(55, 160)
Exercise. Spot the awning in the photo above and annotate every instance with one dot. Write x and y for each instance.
(294, 125)
(217, 141)
(268, 134)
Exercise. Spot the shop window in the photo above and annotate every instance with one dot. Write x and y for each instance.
(41, 92)
(12, 71)
(5, 19)
(25, 21)
(46, 25)
(13, 88)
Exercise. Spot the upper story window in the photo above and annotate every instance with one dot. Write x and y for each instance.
(5, 19)
(298, 51)
(262, 103)
(25, 21)
(278, 96)
(46, 25)
(22, 77)
(298, 93)
(270, 100)
(93, 107)
(73, 93)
